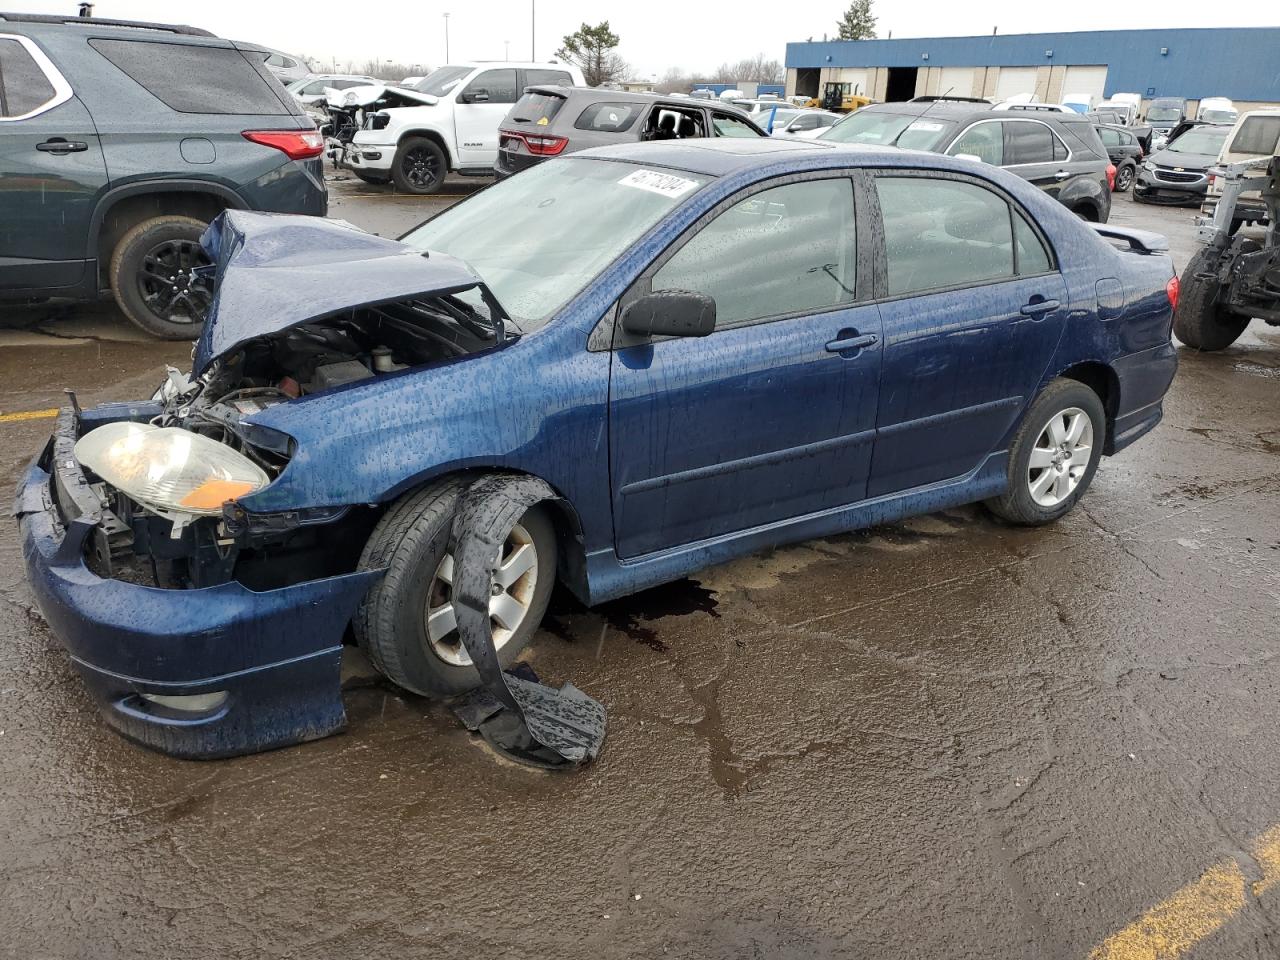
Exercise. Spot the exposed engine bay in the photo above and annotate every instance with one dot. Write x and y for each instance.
(351, 109)
(169, 547)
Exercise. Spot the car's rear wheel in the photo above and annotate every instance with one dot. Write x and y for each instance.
(419, 166)
(407, 622)
(1201, 321)
(152, 275)
(1054, 455)
(1124, 177)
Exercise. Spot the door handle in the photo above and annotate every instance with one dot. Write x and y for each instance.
(850, 342)
(60, 145)
(1038, 308)
(1062, 175)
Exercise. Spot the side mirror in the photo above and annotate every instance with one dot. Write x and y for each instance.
(670, 313)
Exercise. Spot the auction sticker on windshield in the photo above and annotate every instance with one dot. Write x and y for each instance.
(666, 184)
(927, 125)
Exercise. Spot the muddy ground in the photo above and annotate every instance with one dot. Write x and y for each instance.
(942, 738)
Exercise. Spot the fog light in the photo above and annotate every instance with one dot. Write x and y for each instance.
(371, 155)
(194, 703)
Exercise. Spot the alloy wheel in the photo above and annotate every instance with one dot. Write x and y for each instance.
(168, 283)
(421, 167)
(511, 592)
(1123, 179)
(1060, 457)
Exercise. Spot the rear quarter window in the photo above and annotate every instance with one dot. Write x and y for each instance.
(23, 86)
(609, 117)
(195, 79)
(1258, 135)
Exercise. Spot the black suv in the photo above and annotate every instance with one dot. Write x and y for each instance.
(119, 142)
(1059, 152)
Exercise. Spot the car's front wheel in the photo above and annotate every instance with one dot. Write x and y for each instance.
(420, 166)
(1054, 455)
(152, 275)
(407, 623)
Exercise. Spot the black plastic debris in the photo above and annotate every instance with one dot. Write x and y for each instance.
(518, 716)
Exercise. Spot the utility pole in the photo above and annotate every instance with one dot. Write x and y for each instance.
(446, 38)
(533, 31)
(507, 46)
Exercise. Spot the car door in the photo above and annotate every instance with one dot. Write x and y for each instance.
(478, 110)
(973, 307)
(51, 172)
(772, 415)
(1034, 152)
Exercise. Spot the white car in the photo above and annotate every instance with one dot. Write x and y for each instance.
(1217, 110)
(446, 122)
(794, 122)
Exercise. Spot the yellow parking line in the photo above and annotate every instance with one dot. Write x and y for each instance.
(1171, 928)
(28, 415)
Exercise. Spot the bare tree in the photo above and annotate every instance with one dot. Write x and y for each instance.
(755, 69)
(675, 80)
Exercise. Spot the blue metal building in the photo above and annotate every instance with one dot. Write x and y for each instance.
(1240, 63)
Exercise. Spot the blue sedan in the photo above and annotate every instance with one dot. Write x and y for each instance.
(611, 370)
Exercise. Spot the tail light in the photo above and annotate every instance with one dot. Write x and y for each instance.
(294, 144)
(1171, 289)
(1111, 176)
(539, 146)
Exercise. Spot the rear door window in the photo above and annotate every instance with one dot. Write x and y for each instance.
(24, 88)
(608, 117)
(1258, 136)
(943, 233)
(195, 79)
(1026, 141)
(789, 249)
(728, 126)
(498, 85)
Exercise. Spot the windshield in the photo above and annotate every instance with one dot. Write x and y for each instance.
(1199, 140)
(1164, 115)
(539, 238)
(890, 130)
(441, 80)
(1219, 116)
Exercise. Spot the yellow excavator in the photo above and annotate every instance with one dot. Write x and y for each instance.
(839, 98)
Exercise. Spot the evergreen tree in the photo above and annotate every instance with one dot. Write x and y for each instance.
(858, 22)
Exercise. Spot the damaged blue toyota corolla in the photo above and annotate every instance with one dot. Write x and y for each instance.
(611, 370)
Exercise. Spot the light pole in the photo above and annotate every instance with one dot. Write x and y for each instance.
(507, 45)
(533, 30)
(446, 38)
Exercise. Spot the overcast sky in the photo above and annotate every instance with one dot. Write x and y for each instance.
(656, 34)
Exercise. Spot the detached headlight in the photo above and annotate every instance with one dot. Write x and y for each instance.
(349, 100)
(169, 469)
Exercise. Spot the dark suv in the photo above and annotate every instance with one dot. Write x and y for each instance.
(119, 142)
(1058, 152)
(551, 120)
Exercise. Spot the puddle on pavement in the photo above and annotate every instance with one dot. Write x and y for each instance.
(569, 620)
(1258, 370)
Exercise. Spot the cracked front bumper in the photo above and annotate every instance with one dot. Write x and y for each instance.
(270, 659)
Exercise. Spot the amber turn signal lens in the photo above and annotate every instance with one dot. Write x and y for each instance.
(214, 493)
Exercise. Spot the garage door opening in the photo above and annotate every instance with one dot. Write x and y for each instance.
(807, 82)
(902, 84)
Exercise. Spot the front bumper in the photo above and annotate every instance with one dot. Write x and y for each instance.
(1151, 187)
(272, 657)
(370, 157)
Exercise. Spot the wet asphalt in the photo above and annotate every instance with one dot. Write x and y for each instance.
(941, 738)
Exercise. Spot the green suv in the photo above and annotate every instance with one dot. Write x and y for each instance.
(119, 142)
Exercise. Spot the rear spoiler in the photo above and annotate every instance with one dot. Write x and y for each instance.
(1140, 241)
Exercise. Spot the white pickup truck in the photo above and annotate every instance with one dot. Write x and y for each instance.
(448, 121)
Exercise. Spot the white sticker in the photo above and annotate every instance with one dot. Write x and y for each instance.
(666, 184)
(926, 125)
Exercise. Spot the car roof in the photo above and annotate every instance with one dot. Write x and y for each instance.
(943, 109)
(597, 95)
(95, 23)
(722, 156)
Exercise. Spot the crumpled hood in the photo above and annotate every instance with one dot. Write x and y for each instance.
(273, 271)
(371, 93)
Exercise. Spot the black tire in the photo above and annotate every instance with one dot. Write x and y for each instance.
(1125, 177)
(420, 166)
(150, 276)
(411, 540)
(370, 178)
(1200, 321)
(1017, 504)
